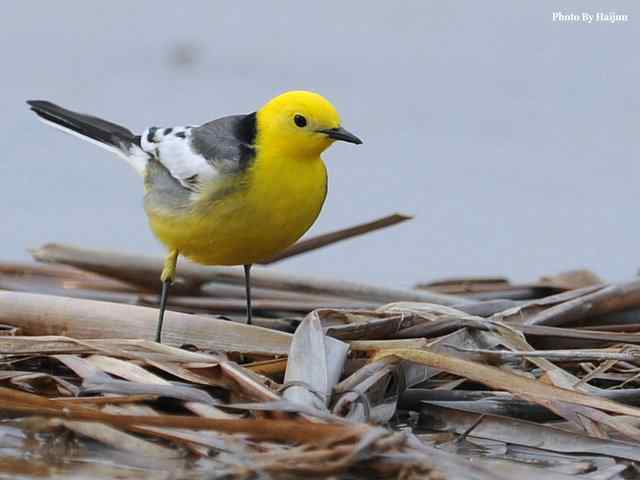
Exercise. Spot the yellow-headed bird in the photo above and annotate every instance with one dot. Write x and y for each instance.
(233, 191)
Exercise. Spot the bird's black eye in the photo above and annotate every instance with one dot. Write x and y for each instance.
(300, 121)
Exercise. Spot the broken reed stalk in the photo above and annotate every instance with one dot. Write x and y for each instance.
(558, 355)
(608, 299)
(145, 272)
(527, 388)
(576, 338)
(319, 241)
(217, 298)
(228, 305)
(48, 315)
(298, 431)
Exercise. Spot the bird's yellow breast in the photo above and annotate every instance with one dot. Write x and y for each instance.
(269, 207)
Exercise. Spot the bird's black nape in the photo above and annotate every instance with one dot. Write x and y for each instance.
(247, 129)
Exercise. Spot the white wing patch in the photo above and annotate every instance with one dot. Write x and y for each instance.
(172, 148)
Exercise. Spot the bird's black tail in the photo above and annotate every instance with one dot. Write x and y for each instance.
(107, 135)
(85, 125)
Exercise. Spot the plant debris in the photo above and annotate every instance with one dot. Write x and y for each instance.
(458, 379)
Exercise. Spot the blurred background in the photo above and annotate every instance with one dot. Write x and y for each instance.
(511, 138)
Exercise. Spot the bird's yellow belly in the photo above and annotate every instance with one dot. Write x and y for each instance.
(278, 204)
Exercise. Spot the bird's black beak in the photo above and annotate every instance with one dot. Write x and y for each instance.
(341, 134)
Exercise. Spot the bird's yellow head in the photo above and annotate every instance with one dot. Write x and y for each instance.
(300, 123)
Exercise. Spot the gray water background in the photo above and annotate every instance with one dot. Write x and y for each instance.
(511, 138)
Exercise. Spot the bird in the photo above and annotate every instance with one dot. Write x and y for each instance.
(233, 191)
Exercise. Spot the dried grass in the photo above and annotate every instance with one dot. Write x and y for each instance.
(459, 379)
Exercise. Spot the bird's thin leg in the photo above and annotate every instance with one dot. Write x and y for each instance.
(247, 286)
(167, 277)
(163, 305)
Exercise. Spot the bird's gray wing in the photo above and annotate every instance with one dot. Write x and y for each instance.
(197, 155)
